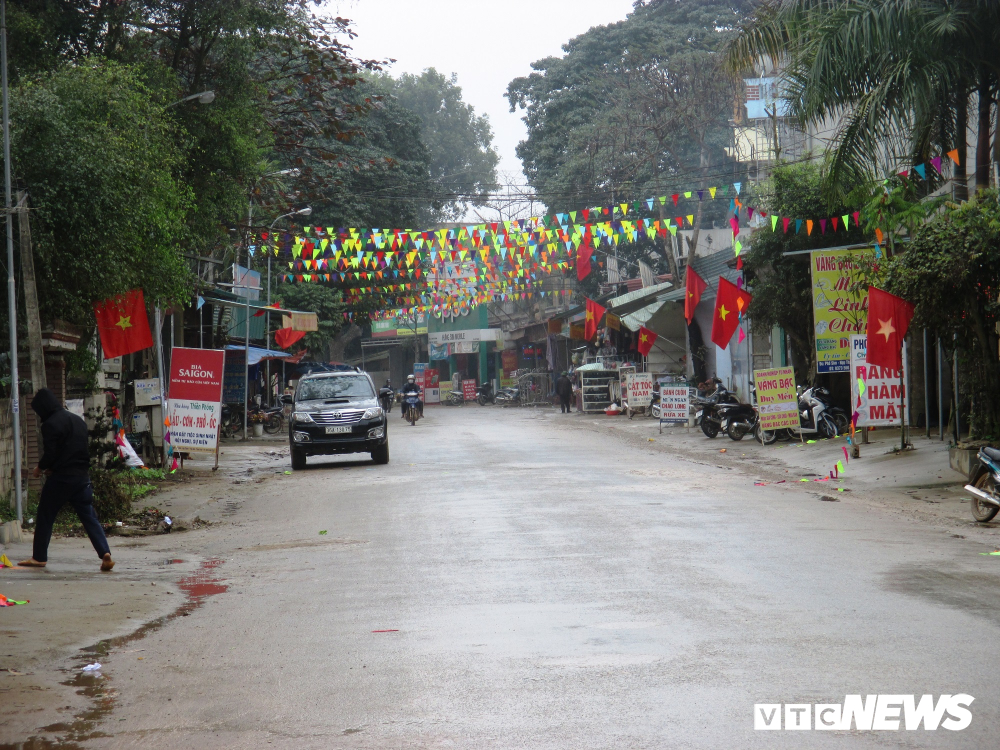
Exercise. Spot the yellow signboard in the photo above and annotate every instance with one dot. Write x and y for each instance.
(777, 401)
(837, 311)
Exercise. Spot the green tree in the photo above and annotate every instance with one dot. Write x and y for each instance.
(463, 161)
(329, 308)
(101, 162)
(633, 109)
(951, 271)
(900, 72)
(781, 284)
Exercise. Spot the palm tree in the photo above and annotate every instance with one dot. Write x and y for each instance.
(899, 73)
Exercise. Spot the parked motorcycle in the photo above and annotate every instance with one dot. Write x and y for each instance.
(838, 415)
(456, 398)
(485, 394)
(984, 479)
(709, 416)
(813, 420)
(273, 420)
(411, 408)
(740, 419)
(508, 396)
(232, 420)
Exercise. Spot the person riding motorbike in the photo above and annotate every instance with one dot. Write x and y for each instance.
(412, 387)
(386, 396)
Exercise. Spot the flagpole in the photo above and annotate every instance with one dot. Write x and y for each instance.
(15, 381)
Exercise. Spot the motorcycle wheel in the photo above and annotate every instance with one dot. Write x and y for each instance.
(764, 437)
(842, 422)
(984, 512)
(481, 400)
(826, 428)
(272, 425)
(710, 428)
(411, 416)
(737, 430)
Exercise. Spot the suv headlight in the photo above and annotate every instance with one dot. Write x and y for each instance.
(374, 413)
(302, 416)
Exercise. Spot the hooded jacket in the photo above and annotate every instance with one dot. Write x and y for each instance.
(64, 436)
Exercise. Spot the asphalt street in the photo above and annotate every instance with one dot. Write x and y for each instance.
(521, 579)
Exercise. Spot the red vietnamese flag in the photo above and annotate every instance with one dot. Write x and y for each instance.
(889, 318)
(594, 314)
(730, 302)
(646, 340)
(123, 325)
(694, 285)
(583, 262)
(285, 337)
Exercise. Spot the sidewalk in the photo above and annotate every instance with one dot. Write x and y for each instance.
(918, 483)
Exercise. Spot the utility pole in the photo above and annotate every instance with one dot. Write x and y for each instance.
(15, 383)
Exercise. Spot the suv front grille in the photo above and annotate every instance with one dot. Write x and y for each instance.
(342, 416)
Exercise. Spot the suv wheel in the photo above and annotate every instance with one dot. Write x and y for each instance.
(381, 454)
(298, 459)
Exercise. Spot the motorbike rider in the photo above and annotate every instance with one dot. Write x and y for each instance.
(412, 387)
(386, 395)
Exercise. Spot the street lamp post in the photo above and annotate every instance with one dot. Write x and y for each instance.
(11, 301)
(246, 289)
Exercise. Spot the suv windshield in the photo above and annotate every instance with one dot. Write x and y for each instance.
(341, 386)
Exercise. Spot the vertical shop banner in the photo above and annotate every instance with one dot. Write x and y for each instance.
(432, 386)
(876, 392)
(674, 400)
(469, 389)
(777, 399)
(837, 311)
(195, 399)
(640, 389)
(509, 361)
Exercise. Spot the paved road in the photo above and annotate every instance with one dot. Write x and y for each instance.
(550, 586)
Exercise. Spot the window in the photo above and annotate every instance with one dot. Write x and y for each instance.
(342, 386)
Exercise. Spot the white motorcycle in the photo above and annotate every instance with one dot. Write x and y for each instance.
(813, 420)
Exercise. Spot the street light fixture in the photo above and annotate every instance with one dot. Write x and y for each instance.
(307, 211)
(203, 97)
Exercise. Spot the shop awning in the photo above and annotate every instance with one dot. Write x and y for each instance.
(257, 355)
(626, 303)
(225, 299)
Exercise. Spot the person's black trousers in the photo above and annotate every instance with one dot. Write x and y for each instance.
(564, 401)
(76, 490)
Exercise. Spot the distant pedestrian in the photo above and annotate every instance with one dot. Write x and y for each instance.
(66, 459)
(564, 390)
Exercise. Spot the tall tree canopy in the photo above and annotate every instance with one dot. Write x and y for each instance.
(898, 74)
(463, 161)
(636, 108)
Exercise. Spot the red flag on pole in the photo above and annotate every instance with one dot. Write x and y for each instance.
(694, 285)
(583, 262)
(285, 337)
(889, 318)
(646, 340)
(123, 324)
(594, 314)
(730, 303)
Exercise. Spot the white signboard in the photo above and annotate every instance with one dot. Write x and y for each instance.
(147, 392)
(674, 403)
(640, 389)
(875, 391)
(194, 425)
(432, 395)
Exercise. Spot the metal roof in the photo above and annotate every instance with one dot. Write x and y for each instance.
(634, 300)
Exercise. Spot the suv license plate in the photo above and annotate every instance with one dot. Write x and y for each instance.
(338, 430)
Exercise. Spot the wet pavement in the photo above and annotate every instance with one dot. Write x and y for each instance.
(517, 578)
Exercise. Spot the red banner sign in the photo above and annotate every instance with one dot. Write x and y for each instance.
(196, 374)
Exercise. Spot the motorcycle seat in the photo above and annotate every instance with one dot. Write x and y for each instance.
(992, 453)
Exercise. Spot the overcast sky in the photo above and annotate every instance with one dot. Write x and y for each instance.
(488, 43)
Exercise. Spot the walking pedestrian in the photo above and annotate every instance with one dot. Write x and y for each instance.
(66, 461)
(564, 389)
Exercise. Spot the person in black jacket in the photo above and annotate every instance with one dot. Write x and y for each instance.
(66, 461)
(564, 389)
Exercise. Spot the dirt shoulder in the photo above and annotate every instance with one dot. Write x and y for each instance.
(76, 612)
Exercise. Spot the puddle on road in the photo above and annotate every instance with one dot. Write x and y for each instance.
(97, 687)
